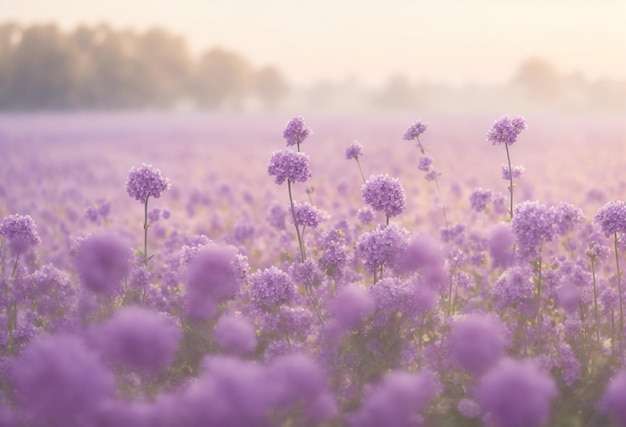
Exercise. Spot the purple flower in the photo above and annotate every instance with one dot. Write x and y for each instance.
(424, 163)
(423, 254)
(384, 193)
(477, 341)
(289, 165)
(308, 215)
(397, 401)
(212, 277)
(382, 246)
(516, 171)
(271, 287)
(514, 288)
(295, 132)
(350, 306)
(566, 217)
(501, 240)
(235, 334)
(614, 398)
(354, 151)
(61, 382)
(102, 262)
(479, 199)
(414, 131)
(517, 393)
(276, 216)
(365, 215)
(506, 130)
(405, 296)
(145, 182)
(20, 231)
(533, 225)
(138, 338)
(612, 217)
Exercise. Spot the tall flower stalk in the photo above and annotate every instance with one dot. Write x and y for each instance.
(144, 182)
(425, 163)
(505, 131)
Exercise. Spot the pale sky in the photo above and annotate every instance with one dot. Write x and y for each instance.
(452, 41)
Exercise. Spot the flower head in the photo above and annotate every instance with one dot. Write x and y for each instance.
(20, 232)
(354, 151)
(145, 182)
(295, 132)
(235, 334)
(102, 262)
(506, 130)
(59, 380)
(308, 215)
(477, 341)
(271, 287)
(289, 165)
(517, 393)
(138, 338)
(612, 217)
(384, 193)
(414, 131)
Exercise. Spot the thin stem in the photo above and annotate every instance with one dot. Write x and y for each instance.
(145, 232)
(295, 222)
(539, 305)
(595, 299)
(508, 158)
(450, 307)
(443, 205)
(11, 307)
(619, 287)
(360, 169)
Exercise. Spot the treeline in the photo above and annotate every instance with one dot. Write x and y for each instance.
(42, 67)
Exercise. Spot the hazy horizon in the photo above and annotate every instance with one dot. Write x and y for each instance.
(446, 41)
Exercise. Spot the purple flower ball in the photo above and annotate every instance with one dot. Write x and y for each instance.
(288, 165)
(477, 341)
(20, 232)
(212, 277)
(614, 398)
(479, 199)
(612, 217)
(384, 194)
(517, 393)
(533, 225)
(102, 262)
(295, 131)
(501, 240)
(414, 131)
(270, 288)
(397, 401)
(139, 339)
(61, 382)
(146, 181)
(350, 306)
(308, 215)
(506, 130)
(235, 334)
(354, 151)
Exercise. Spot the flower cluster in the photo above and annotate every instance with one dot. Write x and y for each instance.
(20, 231)
(295, 131)
(288, 165)
(146, 181)
(506, 130)
(271, 287)
(384, 194)
(414, 131)
(354, 151)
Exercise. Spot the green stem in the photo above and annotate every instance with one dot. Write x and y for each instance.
(508, 158)
(295, 222)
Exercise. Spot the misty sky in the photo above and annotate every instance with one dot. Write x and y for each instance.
(453, 41)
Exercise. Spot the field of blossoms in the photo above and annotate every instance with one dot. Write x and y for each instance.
(349, 270)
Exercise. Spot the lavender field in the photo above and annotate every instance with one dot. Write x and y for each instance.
(334, 270)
